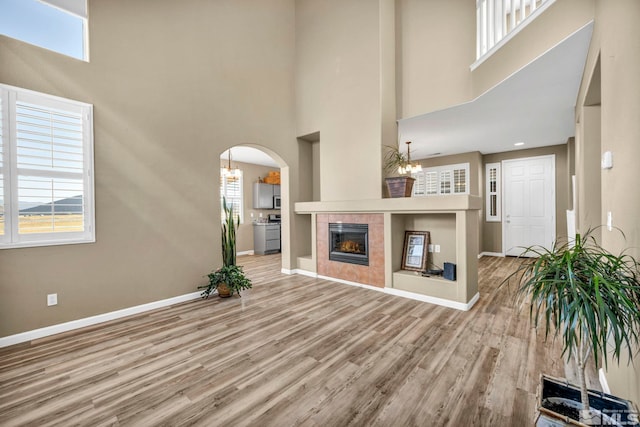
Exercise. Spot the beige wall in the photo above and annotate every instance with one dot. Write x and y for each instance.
(492, 231)
(172, 86)
(339, 94)
(476, 173)
(616, 41)
(250, 174)
(436, 42)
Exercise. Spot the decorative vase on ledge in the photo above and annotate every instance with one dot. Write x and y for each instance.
(400, 186)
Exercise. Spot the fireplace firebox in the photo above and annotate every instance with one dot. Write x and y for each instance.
(349, 243)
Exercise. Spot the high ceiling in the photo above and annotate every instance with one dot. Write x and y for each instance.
(534, 106)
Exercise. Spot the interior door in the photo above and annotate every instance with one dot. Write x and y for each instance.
(529, 201)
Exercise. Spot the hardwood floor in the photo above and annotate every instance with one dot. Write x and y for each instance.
(292, 351)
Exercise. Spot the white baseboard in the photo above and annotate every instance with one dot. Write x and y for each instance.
(306, 273)
(89, 321)
(245, 253)
(410, 295)
(498, 254)
(434, 300)
(603, 381)
(299, 271)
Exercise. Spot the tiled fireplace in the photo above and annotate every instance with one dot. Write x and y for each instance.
(351, 247)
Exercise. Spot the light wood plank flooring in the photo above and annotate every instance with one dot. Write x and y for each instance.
(292, 351)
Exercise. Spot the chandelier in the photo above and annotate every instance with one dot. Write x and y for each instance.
(228, 171)
(409, 168)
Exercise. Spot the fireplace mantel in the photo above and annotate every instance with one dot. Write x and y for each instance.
(453, 222)
(400, 204)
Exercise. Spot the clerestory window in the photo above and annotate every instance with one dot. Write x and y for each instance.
(57, 25)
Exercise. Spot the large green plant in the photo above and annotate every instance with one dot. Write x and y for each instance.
(230, 273)
(588, 296)
(229, 227)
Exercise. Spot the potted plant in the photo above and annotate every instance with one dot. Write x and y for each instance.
(591, 299)
(229, 278)
(397, 162)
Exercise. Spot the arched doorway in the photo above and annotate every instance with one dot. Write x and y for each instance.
(246, 165)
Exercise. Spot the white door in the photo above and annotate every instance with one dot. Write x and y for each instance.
(529, 201)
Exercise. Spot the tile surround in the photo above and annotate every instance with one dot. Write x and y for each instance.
(373, 274)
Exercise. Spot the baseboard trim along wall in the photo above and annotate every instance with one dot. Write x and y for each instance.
(300, 272)
(498, 254)
(411, 295)
(89, 321)
(245, 253)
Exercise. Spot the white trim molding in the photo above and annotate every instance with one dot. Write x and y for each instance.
(498, 254)
(245, 253)
(410, 295)
(300, 272)
(603, 381)
(89, 321)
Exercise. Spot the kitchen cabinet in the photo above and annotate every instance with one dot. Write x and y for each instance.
(266, 238)
(263, 195)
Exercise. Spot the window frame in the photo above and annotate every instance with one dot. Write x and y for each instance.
(497, 193)
(9, 169)
(74, 9)
(224, 193)
(444, 180)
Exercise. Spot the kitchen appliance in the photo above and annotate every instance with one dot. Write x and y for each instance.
(276, 202)
(274, 218)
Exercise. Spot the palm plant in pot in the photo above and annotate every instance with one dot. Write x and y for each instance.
(229, 278)
(397, 162)
(591, 299)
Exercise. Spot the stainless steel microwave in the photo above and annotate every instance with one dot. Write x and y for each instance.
(276, 202)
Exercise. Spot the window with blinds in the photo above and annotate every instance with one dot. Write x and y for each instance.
(442, 180)
(47, 180)
(492, 179)
(231, 190)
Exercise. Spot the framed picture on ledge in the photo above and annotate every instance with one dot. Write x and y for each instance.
(414, 254)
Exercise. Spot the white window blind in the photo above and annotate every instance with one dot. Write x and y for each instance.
(492, 179)
(231, 190)
(445, 182)
(442, 180)
(49, 188)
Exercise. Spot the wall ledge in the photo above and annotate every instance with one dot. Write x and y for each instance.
(400, 204)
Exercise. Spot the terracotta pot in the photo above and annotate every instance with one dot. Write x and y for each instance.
(224, 291)
(400, 186)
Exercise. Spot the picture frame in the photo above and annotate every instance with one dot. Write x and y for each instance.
(414, 254)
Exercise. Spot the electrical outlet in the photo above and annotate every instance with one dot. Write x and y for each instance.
(437, 248)
(52, 299)
(430, 248)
